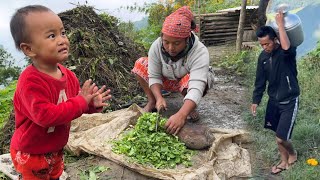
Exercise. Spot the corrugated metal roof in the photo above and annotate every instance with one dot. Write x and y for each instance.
(237, 9)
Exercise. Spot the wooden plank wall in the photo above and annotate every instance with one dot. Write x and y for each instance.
(221, 28)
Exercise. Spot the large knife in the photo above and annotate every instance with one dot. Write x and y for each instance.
(158, 118)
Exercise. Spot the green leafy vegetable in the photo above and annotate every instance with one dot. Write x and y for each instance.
(91, 173)
(146, 146)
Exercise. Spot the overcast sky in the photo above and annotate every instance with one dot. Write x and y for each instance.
(8, 7)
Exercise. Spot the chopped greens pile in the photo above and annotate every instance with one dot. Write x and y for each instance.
(146, 146)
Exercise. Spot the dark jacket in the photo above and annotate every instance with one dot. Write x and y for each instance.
(279, 69)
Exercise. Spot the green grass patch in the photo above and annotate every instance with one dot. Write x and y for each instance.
(6, 96)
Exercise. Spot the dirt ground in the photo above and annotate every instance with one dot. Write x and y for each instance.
(220, 108)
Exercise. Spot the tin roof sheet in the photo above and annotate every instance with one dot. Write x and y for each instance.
(237, 9)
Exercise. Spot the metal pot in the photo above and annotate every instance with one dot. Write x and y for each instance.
(292, 25)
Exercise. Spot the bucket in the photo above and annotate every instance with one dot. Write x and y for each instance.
(292, 25)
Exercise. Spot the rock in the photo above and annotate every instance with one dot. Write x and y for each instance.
(196, 136)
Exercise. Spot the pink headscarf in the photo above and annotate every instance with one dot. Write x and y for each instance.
(178, 23)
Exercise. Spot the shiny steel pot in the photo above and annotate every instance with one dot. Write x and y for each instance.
(292, 26)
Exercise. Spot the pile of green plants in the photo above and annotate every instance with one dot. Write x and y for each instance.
(145, 145)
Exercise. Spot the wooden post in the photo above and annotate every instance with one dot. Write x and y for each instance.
(199, 15)
(242, 20)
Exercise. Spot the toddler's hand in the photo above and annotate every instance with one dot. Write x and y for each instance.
(99, 101)
(87, 91)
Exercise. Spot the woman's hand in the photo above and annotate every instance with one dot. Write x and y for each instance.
(175, 123)
(161, 104)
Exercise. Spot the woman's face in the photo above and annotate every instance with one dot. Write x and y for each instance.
(173, 45)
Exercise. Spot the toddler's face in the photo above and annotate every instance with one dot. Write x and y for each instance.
(48, 39)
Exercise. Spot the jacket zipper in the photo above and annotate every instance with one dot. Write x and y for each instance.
(288, 80)
(270, 59)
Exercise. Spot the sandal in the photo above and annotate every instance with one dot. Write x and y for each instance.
(165, 93)
(278, 170)
(293, 162)
(193, 116)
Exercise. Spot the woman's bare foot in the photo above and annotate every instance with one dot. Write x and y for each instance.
(149, 107)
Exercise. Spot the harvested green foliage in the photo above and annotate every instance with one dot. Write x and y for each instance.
(91, 174)
(147, 146)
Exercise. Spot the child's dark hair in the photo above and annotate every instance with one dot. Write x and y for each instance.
(263, 31)
(18, 26)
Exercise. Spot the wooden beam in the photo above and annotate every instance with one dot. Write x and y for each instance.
(223, 30)
(220, 34)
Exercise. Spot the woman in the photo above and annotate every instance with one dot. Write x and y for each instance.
(177, 61)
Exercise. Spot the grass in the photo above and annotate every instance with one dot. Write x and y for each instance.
(306, 133)
(6, 96)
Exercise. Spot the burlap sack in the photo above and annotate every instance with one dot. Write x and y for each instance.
(223, 160)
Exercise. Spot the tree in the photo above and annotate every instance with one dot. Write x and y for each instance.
(160, 10)
(8, 71)
(262, 18)
(157, 12)
(242, 20)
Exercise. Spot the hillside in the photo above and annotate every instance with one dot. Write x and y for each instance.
(141, 24)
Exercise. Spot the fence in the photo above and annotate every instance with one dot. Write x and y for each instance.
(221, 27)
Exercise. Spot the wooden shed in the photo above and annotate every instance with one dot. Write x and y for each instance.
(221, 27)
